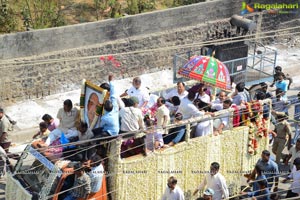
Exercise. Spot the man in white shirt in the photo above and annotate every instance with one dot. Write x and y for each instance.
(218, 103)
(137, 91)
(294, 153)
(180, 91)
(201, 95)
(215, 181)
(131, 117)
(68, 119)
(222, 122)
(295, 185)
(173, 192)
(163, 113)
(187, 108)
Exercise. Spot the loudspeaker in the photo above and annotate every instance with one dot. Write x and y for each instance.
(240, 22)
(228, 52)
(233, 51)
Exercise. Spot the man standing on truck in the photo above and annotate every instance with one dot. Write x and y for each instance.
(109, 125)
(96, 173)
(81, 187)
(4, 127)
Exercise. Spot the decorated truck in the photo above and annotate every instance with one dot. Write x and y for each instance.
(36, 176)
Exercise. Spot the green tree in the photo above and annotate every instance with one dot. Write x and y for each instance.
(146, 5)
(8, 22)
(186, 2)
(43, 14)
(132, 7)
(107, 8)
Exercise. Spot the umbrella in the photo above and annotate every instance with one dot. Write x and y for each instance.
(208, 70)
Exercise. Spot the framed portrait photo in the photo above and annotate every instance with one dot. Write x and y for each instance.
(91, 103)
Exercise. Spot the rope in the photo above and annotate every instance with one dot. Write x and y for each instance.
(174, 47)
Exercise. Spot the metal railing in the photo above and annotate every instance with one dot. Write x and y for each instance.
(257, 67)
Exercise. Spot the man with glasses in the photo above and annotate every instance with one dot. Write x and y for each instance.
(173, 192)
(216, 182)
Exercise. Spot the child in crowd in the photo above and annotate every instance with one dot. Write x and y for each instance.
(43, 133)
(154, 140)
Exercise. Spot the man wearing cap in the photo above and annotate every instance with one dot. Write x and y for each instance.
(173, 191)
(208, 194)
(131, 117)
(295, 185)
(4, 126)
(215, 181)
(283, 130)
(137, 91)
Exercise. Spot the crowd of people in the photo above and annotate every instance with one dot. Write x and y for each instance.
(140, 111)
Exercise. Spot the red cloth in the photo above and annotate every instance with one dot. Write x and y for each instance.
(236, 116)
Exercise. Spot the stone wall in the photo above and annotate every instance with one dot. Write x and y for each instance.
(55, 39)
(58, 59)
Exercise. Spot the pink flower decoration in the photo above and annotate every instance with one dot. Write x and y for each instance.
(116, 63)
(110, 58)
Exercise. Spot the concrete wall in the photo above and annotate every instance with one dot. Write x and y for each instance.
(43, 41)
(54, 56)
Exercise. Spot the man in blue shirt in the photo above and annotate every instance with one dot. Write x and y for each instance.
(109, 125)
(282, 84)
(263, 193)
(269, 169)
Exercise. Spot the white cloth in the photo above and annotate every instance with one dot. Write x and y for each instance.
(217, 104)
(152, 100)
(188, 109)
(141, 93)
(160, 113)
(174, 92)
(176, 194)
(217, 183)
(204, 98)
(151, 138)
(203, 128)
(295, 154)
(120, 102)
(295, 185)
(56, 133)
(131, 119)
(96, 175)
